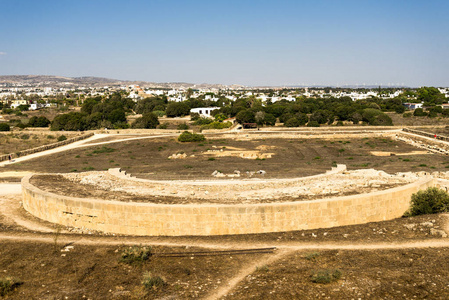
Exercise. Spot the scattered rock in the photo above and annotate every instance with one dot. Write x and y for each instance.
(439, 232)
(261, 172)
(178, 156)
(410, 226)
(427, 224)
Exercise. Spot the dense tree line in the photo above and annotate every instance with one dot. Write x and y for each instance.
(96, 113)
(313, 111)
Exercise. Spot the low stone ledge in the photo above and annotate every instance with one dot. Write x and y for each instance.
(121, 174)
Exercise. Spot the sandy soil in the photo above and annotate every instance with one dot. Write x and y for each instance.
(404, 258)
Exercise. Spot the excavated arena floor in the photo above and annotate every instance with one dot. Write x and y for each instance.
(103, 185)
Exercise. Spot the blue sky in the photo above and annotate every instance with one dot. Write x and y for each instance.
(315, 42)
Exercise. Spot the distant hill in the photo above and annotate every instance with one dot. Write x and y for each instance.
(90, 81)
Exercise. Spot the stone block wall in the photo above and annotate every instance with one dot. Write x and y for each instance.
(46, 147)
(215, 219)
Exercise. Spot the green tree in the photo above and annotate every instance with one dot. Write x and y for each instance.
(116, 116)
(177, 109)
(376, 117)
(419, 112)
(245, 116)
(430, 95)
(38, 122)
(189, 93)
(89, 104)
(270, 120)
(292, 122)
(71, 121)
(148, 120)
(302, 119)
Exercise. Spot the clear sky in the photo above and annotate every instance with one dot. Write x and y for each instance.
(313, 42)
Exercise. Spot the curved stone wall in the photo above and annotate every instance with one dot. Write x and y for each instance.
(214, 219)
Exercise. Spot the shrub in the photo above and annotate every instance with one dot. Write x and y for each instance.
(61, 138)
(432, 114)
(407, 115)
(7, 285)
(292, 122)
(21, 125)
(4, 127)
(152, 282)
(217, 125)
(203, 121)
(159, 113)
(194, 116)
(430, 201)
(183, 126)
(313, 124)
(312, 256)
(103, 149)
(419, 112)
(25, 136)
(191, 137)
(135, 254)
(263, 268)
(220, 117)
(163, 126)
(326, 276)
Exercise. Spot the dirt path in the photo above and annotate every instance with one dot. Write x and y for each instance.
(161, 241)
(248, 269)
(10, 208)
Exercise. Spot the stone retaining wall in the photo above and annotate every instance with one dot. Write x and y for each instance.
(420, 141)
(178, 220)
(46, 147)
(426, 134)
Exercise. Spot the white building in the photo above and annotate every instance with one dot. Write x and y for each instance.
(35, 106)
(204, 111)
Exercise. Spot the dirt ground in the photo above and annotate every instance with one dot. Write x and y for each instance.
(405, 258)
(149, 158)
(95, 272)
(379, 274)
(70, 266)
